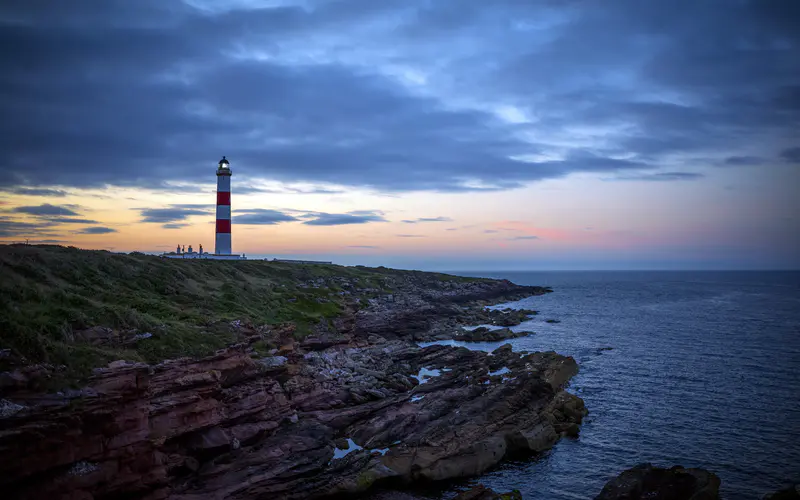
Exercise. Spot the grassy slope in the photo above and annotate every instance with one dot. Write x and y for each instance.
(50, 292)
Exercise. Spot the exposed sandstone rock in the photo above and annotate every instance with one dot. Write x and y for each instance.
(225, 427)
(654, 483)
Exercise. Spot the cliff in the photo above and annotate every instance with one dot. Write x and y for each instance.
(317, 404)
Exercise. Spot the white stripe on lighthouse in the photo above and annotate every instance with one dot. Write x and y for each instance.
(224, 183)
(223, 211)
(223, 244)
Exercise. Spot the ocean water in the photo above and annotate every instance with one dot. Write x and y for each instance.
(703, 372)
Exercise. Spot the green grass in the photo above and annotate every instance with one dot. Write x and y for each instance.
(50, 292)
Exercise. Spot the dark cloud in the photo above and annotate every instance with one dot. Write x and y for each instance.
(45, 209)
(10, 228)
(362, 246)
(96, 230)
(410, 235)
(52, 193)
(744, 160)
(174, 213)
(193, 206)
(322, 95)
(174, 225)
(661, 177)
(428, 219)
(792, 155)
(490, 231)
(285, 190)
(47, 220)
(360, 217)
(68, 220)
(261, 217)
(519, 238)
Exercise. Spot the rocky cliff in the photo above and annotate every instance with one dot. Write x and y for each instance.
(350, 404)
(303, 424)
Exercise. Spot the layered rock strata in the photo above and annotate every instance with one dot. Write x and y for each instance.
(306, 425)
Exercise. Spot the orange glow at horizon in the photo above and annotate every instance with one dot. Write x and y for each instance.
(534, 222)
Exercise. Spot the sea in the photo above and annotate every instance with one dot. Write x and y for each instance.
(702, 371)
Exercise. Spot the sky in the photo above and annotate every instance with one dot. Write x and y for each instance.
(448, 135)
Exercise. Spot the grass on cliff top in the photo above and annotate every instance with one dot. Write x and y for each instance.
(50, 292)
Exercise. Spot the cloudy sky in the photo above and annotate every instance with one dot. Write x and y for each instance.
(437, 134)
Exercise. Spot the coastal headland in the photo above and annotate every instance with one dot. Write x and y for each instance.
(130, 376)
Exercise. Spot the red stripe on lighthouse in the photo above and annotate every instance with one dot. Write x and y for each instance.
(223, 226)
(223, 198)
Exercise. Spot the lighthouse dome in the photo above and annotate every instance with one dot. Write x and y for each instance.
(223, 163)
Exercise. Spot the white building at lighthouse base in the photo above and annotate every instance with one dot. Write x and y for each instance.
(195, 255)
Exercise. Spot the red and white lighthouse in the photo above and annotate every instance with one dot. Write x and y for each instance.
(223, 242)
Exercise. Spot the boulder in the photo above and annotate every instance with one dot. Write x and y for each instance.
(481, 492)
(790, 493)
(655, 483)
(483, 334)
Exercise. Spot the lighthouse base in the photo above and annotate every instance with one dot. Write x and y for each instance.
(224, 256)
(195, 255)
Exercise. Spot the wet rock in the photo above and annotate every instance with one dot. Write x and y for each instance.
(481, 492)
(82, 468)
(9, 408)
(647, 482)
(553, 321)
(790, 493)
(483, 334)
(273, 361)
(503, 349)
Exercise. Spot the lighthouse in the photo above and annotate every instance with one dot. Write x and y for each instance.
(223, 241)
(222, 251)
